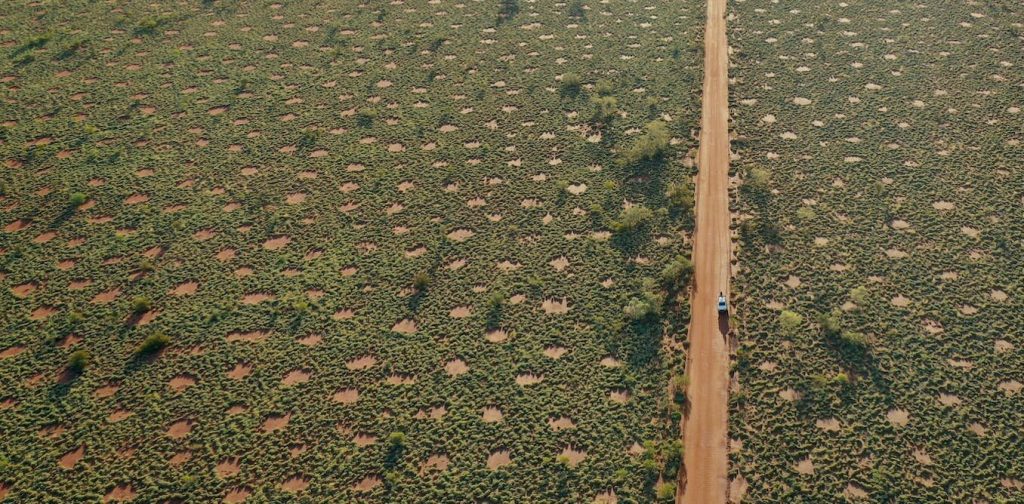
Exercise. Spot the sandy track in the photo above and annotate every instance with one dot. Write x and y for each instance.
(705, 425)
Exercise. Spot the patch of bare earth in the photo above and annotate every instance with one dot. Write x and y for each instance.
(362, 363)
(237, 495)
(120, 493)
(274, 423)
(71, 458)
(180, 429)
(295, 484)
(228, 467)
(573, 456)
(250, 337)
(435, 463)
(346, 396)
(367, 484)
(491, 414)
(898, 417)
(406, 326)
(181, 382)
(185, 289)
(555, 307)
(240, 371)
(498, 459)
(296, 377)
(456, 367)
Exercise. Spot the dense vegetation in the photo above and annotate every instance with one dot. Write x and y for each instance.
(879, 280)
(321, 250)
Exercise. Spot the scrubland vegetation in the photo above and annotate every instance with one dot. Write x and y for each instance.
(879, 293)
(408, 251)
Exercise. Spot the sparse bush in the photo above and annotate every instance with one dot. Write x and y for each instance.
(604, 87)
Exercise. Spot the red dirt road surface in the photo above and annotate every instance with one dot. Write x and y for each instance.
(705, 425)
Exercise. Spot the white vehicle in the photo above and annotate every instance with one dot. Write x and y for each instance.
(723, 307)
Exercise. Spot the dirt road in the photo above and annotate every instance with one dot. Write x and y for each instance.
(705, 426)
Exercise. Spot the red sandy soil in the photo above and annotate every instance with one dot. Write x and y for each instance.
(295, 484)
(237, 495)
(120, 493)
(703, 479)
(276, 422)
(72, 457)
(228, 467)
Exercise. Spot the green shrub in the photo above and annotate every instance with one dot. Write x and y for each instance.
(421, 280)
(366, 116)
(141, 304)
(853, 340)
(790, 320)
(638, 309)
(680, 194)
(757, 178)
(859, 295)
(677, 271)
(666, 492)
(507, 9)
(571, 83)
(606, 107)
(153, 344)
(632, 218)
(805, 213)
(77, 199)
(652, 144)
(576, 10)
(830, 322)
(78, 360)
